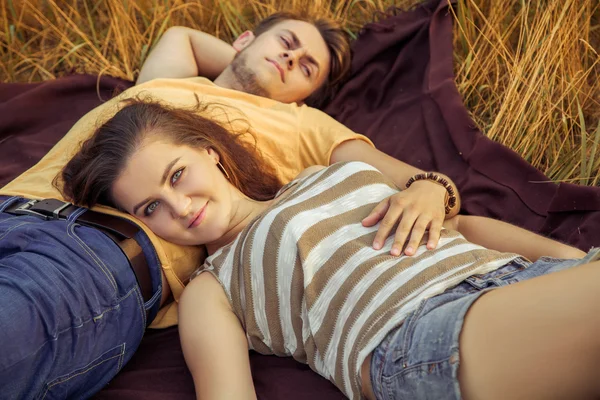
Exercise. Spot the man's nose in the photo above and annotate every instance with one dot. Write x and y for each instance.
(290, 57)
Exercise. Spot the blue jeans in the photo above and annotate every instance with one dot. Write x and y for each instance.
(71, 311)
(420, 358)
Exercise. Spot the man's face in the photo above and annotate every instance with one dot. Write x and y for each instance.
(286, 63)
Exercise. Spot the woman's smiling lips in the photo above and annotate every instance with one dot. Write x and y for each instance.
(281, 72)
(199, 217)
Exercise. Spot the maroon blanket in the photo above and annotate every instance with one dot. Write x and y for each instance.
(402, 95)
(34, 116)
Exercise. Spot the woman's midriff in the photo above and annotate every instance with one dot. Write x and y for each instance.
(365, 378)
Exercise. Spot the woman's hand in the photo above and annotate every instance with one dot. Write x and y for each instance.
(415, 210)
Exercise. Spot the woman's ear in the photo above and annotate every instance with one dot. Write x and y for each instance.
(212, 153)
(243, 41)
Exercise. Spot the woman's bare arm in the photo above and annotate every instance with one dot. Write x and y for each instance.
(213, 341)
(183, 53)
(502, 236)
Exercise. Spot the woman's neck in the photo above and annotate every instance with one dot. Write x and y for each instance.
(245, 211)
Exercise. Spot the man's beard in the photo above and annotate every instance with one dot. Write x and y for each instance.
(245, 77)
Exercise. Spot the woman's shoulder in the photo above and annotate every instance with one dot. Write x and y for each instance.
(316, 174)
(343, 168)
(309, 171)
(337, 172)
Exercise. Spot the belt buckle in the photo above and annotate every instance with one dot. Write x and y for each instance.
(25, 209)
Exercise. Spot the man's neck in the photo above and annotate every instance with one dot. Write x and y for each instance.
(240, 78)
(228, 80)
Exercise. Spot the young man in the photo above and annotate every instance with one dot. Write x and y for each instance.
(310, 69)
(291, 58)
(78, 287)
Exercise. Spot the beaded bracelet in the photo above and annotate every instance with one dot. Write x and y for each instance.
(450, 199)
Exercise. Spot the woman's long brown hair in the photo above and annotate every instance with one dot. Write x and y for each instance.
(88, 178)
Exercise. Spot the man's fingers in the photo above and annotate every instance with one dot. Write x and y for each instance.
(385, 227)
(419, 227)
(435, 229)
(404, 228)
(413, 225)
(377, 214)
(416, 235)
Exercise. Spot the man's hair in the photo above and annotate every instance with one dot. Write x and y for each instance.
(337, 42)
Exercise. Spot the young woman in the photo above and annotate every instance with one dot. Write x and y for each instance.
(292, 272)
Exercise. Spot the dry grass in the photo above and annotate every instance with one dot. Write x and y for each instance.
(528, 69)
(529, 72)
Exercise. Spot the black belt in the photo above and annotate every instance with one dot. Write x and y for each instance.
(120, 230)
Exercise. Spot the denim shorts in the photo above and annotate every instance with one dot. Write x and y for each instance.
(420, 358)
(71, 311)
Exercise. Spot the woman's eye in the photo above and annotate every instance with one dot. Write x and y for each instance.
(286, 43)
(176, 176)
(150, 208)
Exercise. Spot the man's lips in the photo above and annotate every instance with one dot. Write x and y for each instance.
(198, 217)
(281, 72)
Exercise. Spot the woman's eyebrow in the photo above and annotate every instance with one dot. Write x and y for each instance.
(162, 182)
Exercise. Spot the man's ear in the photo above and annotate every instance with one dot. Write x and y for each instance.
(243, 41)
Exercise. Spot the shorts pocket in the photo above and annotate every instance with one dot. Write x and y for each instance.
(87, 380)
(552, 260)
(500, 277)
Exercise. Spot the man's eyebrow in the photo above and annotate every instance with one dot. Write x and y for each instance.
(295, 39)
(162, 182)
(297, 44)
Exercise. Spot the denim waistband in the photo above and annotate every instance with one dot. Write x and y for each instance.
(152, 305)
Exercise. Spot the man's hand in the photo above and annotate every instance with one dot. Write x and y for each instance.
(416, 209)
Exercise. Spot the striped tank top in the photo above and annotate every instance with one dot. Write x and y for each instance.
(305, 282)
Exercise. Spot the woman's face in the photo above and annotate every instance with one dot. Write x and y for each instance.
(177, 191)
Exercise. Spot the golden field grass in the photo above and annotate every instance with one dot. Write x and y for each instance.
(528, 70)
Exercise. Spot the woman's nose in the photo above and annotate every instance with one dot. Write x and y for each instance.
(181, 206)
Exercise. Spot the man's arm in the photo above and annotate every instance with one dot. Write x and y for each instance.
(415, 209)
(501, 236)
(183, 53)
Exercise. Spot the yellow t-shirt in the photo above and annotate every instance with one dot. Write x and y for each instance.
(291, 137)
